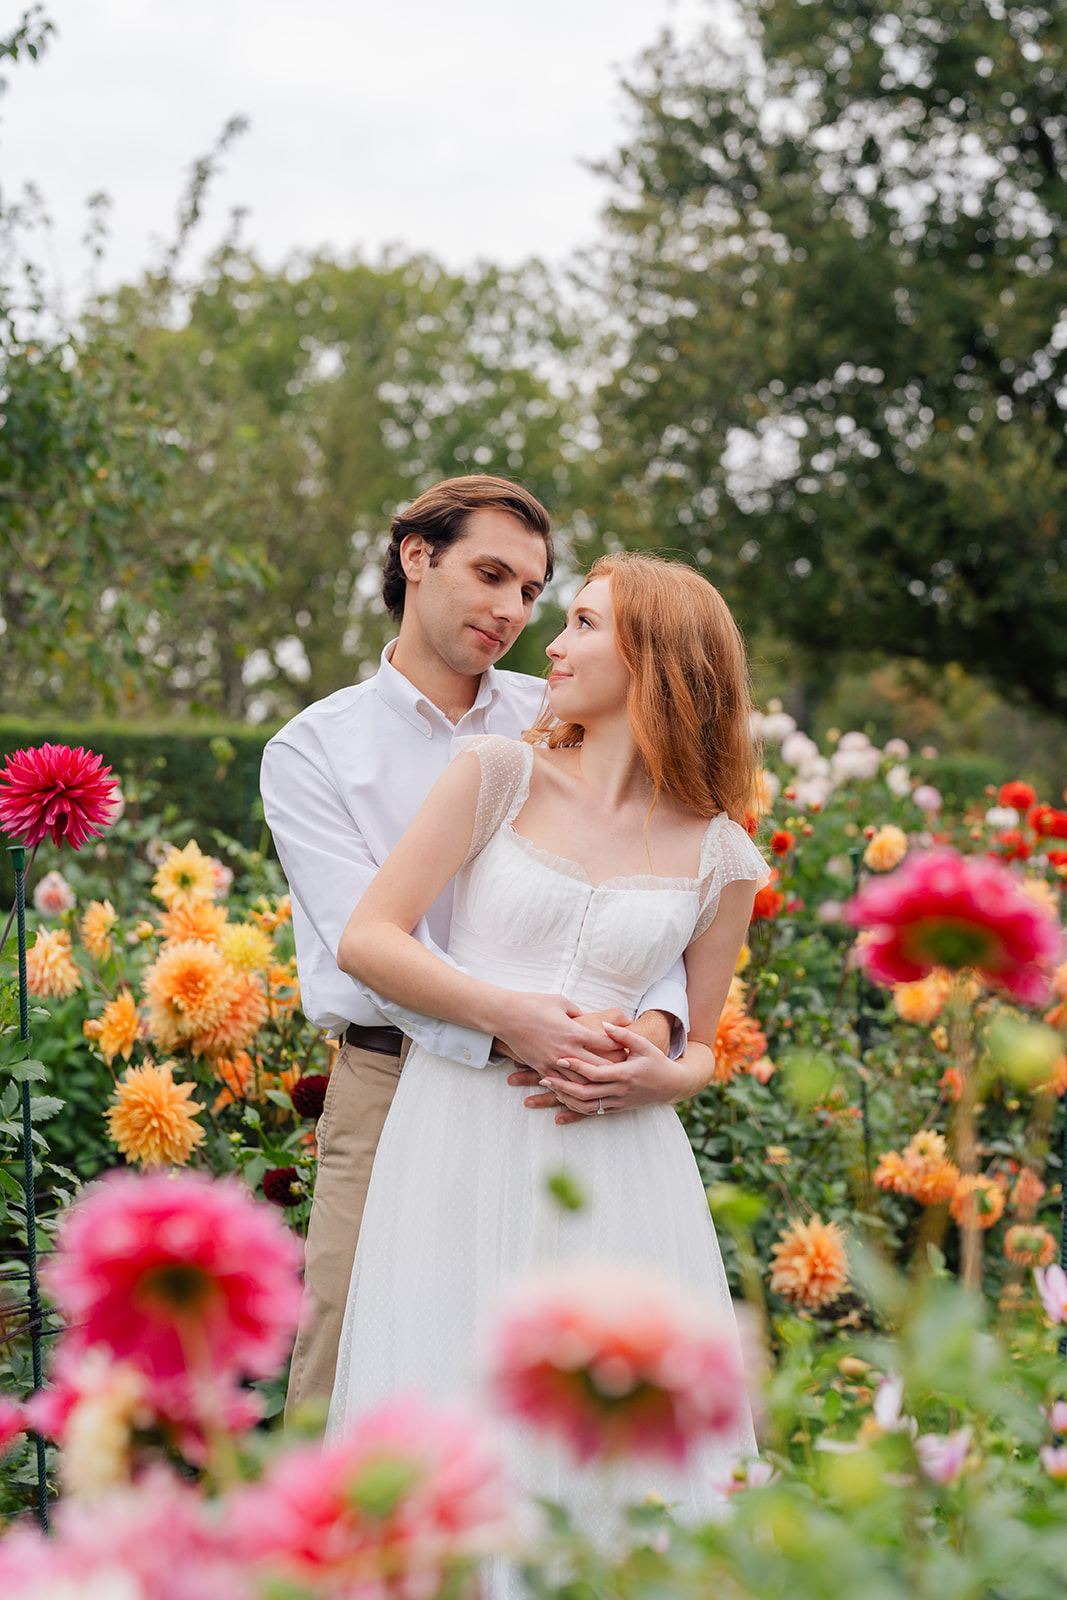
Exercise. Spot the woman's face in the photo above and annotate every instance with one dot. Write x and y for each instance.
(588, 678)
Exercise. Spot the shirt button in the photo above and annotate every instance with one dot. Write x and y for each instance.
(466, 1055)
(428, 732)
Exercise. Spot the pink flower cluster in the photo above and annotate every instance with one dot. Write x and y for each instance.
(618, 1364)
(942, 909)
(53, 789)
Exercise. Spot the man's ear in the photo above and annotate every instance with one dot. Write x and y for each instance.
(414, 556)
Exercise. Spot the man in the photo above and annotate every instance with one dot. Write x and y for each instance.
(342, 781)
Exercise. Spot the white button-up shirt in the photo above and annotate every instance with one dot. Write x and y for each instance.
(341, 783)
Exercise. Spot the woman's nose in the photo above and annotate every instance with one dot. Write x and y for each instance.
(554, 651)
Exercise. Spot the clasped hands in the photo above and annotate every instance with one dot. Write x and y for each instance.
(611, 1062)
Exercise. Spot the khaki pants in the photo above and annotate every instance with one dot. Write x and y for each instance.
(360, 1092)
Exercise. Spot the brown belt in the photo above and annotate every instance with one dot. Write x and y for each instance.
(383, 1041)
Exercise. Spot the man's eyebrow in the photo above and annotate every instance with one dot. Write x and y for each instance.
(497, 561)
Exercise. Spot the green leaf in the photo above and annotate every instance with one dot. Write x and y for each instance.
(280, 1098)
(29, 1072)
(43, 1106)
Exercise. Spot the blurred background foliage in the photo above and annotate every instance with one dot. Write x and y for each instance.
(819, 352)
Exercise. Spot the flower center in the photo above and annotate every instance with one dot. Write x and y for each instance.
(179, 1287)
(950, 942)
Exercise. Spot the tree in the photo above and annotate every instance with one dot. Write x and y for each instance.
(837, 267)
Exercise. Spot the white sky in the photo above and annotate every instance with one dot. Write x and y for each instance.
(455, 126)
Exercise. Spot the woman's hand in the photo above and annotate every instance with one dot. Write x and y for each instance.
(541, 1029)
(646, 1077)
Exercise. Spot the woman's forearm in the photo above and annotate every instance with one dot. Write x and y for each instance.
(394, 964)
(696, 1066)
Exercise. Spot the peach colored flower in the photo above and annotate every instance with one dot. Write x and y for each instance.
(236, 1076)
(399, 1506)
(189, 988)
(119, 1027)
(810, 1265)
(53, 895)
(184, 877)
(245, 1014)
(1043, 895)
(934, 1182)
(886, 849)
(951, 1083)
(738, 1043)
(977, 1200)
(202, 920)
(1029, 1245)
(618, 1362)
(939, 1039)
(247, 947)
(762, 1070)
(151, 1119)
(268, 917)
(923, 1000)
(1028, 1191)
(50, 970)
(283, 989)
(96, 928)
(893, 1173)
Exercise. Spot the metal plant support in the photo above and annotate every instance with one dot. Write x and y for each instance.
(18, 860)
(863, 1023)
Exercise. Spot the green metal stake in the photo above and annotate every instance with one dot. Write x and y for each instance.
(862, 1023)
(18, 861)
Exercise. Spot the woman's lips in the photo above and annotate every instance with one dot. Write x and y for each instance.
(558, 677)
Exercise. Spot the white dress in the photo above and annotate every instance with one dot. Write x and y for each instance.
(457, 1205)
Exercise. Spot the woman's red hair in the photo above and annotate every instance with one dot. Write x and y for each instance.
(689, 704)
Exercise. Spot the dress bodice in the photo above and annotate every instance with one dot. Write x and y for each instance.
(532, 921)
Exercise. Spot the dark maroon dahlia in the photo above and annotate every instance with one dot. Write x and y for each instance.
(279, 1185)
(309, 1094)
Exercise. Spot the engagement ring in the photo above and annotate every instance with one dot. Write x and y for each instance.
(600, 1108)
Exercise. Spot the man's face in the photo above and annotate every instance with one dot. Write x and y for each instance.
(471, 607)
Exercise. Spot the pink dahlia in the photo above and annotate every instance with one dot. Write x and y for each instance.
(943, 1457)
(12, 1421)
(187, 1278)
(406, 1495)
(1052, 1287)
(53, 789)
(942, 909)
(158, 1540)
(619, 1363)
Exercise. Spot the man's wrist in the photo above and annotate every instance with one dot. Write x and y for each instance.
(655, 1026)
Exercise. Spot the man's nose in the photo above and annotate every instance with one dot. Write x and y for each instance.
(510, 606)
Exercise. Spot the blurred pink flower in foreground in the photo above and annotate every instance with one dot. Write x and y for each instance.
(160, 1541)
(619, 1363)
(388, 1509)
(187, 1278)
(1052, 1287)
(1057, 1416)
(942, 909)
(942, 1457)
(1054, 1461)
(54, 789)
(12, 1421)
(53, 895)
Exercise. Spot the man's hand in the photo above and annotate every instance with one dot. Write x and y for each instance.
(647, 1077)
(652, 1026)
(538, 1028)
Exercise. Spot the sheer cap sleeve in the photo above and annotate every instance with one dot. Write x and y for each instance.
(727, 855)
(505, 782)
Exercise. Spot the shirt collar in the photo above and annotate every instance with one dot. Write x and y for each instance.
(401, 695)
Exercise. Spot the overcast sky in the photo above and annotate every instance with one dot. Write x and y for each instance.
(455, 126)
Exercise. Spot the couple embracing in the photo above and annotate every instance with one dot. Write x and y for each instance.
(510, 889)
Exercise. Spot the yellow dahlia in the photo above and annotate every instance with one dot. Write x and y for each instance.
(189, 988)
(887, 849)
(977, 1200)
(95, 928)
(247, 947)
(269, 917)
(150, 1118)
(738, 1042)
(185, 877)
(50, 971)
(245, 1014)
(923, 1000)
(119, 1027)
(810, 1265)
(925, 1146)
(201, 920)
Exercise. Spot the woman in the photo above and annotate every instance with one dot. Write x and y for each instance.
(588, 859)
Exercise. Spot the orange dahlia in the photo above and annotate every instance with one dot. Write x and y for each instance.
(1028, 1190)
(247, 947)
(189, 988)
(810, 1265)
(1029, 1246)
(119, 1027)
(886, 849)
(977, 1200)
(283, 989)
(95, 928)
(150, 1118)
(245, 1014)
(50, 970)
(934, 1182)
(923, 1000)
(1057, 1084)
(268, 917)
(893, 1173)
(185, 877)
(738, 1042)
(201, 920)
(235, 1074)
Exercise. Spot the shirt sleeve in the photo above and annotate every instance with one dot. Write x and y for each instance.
(669, 994)
(329, 867)
(728, 856)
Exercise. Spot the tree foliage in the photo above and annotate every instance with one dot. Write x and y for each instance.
(837, 266)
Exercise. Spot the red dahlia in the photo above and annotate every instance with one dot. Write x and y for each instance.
(1017, 794)
(782, 841)
(53, 789)
(308, 1094)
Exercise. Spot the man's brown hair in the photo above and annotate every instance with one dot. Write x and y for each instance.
(440, 516)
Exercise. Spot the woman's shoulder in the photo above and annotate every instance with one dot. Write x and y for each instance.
(728, 853)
